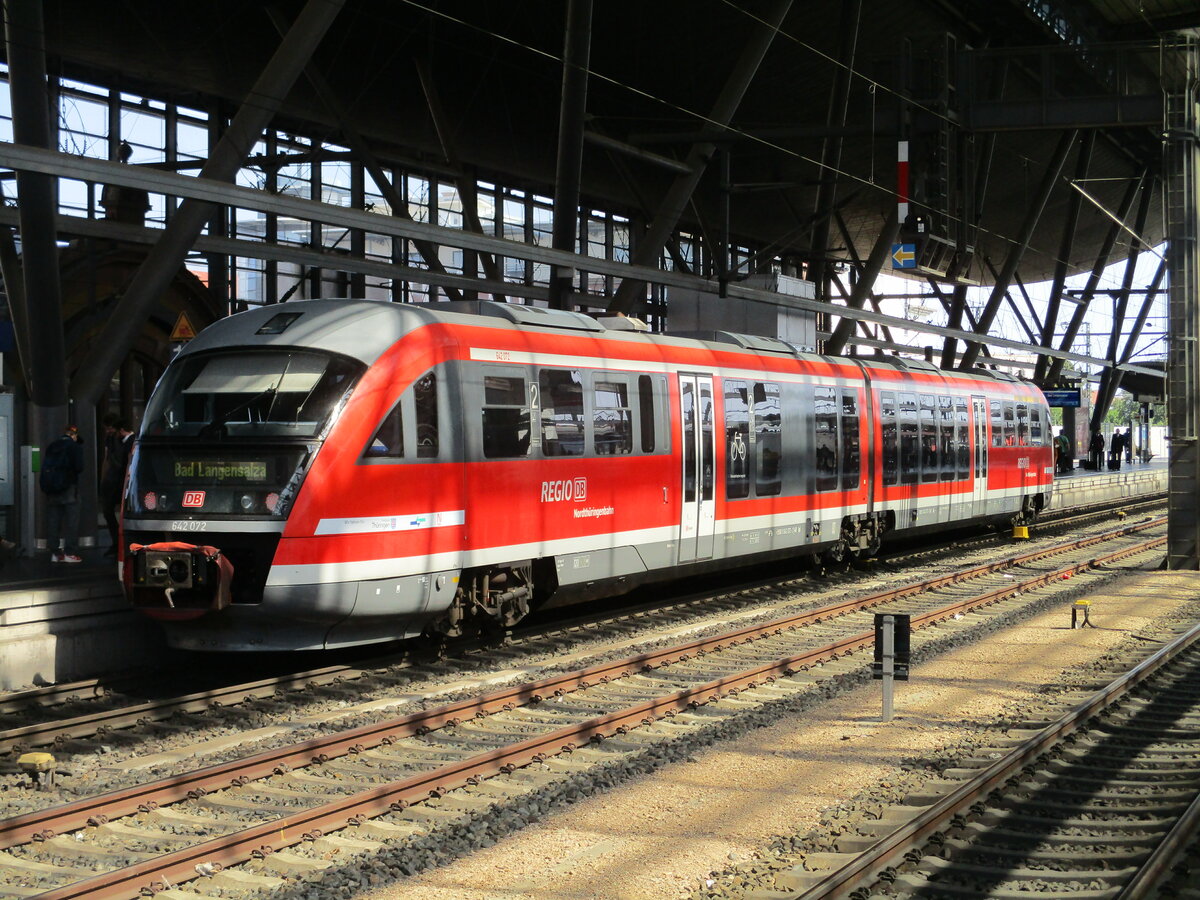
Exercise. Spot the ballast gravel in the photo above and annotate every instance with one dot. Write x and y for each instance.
(721, 821)
(124, 758)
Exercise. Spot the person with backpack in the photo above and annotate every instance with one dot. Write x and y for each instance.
(59, 480)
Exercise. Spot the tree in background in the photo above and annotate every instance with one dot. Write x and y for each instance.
(1125, 409)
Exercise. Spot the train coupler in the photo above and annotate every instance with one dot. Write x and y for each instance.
(174, 580)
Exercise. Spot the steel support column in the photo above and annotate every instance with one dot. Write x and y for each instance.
(572, 110)
(1182, 151)
(227, 157)
(831, 151)
(672, 206)
(18, 306)
(866, 280)
(1061, 266)
(1111, 378)
(36, 300)
(1013, 260)
(1110, 239)
(46, 372)
(955, 316)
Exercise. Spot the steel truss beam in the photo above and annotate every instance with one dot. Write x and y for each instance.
(1013, 260)
(15, 156)
(681, 190)
(1098, 267)
(186, 223)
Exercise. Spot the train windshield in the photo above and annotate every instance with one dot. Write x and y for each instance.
(249, 394)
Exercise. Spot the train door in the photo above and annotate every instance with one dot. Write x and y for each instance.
(698, 510)
(979, 416)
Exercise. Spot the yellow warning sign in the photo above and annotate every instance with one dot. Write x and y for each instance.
(183, 330)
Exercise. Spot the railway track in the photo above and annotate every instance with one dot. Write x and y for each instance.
(400, 778)
(111, 712)
(1101, 801)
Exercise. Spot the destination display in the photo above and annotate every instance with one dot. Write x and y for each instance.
(219, 471)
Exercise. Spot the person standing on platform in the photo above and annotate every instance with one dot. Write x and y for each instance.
(118, 440)
(1114, 450)
(62, 465)
(1096, 451)
(1062, 445)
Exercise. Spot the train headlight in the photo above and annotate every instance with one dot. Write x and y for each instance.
(150, 501)
(272, 502)
(247, 502)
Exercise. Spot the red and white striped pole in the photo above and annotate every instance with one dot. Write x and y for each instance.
(902, 182)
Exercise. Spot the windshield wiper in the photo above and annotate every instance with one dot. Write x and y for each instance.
(216, 426)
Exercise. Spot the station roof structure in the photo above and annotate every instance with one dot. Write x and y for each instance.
(855, 75)
(1026, 136)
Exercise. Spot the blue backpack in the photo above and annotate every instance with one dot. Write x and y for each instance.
(58, 471)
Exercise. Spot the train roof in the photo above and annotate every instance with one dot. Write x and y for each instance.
(365, 329)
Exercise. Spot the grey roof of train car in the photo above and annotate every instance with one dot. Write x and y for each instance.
(365, 329)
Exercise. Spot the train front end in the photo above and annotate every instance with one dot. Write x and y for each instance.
(227, 442)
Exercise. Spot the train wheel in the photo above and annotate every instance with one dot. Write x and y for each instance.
(835, 557)
(429, 648)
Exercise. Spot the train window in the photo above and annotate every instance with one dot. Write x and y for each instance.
(737, 440)
(825, 418)
(768, 439)
(1035, 427)
(891, 437)
(963, 442)
(707, 439)
(425, 400)
(505, 417)
(388, 442)
(612, 419)
(929, 439)
(946, 438)
(249, 394)
(687, 400)
(1010, 432)
(1022, 425)
(562, 412)
(646, 412)
(910, 461)
(851, 457)
(997, 423)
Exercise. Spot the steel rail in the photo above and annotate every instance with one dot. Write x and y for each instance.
(181, 865)
(92, 810)
(892, 848)
(92, 723)
(53, 694)
(1158, 866)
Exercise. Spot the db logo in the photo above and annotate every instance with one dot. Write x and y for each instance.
(566, 489)
(193, 498)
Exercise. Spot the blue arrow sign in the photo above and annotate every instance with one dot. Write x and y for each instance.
(904, 256)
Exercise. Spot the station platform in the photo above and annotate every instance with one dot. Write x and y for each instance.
(61, 622)
(1082, 487)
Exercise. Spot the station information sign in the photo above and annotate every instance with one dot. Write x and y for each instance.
(1070, 397)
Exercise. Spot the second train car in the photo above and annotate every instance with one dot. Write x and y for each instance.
(324, 473)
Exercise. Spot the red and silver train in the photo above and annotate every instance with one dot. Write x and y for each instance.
(325, 473)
